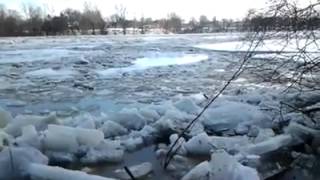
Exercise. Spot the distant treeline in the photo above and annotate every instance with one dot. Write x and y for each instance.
(261, 23)
(34, 21)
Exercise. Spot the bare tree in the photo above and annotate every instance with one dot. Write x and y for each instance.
(73, 18)
(120, 18)
(173, 23)
(203, 23)
(2, 18)
(296, 29)
(34, 16)
(91, 19)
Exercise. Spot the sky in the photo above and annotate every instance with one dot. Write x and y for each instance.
(230, 9)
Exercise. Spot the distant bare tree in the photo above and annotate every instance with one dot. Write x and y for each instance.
(34, 16)
(91, 19)
(120, 17)
(142, 25)
(2, 18)
(173, 23)
(203, 22)
(12, 23)
(73, 18)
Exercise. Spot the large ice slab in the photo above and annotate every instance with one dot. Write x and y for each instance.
(68, 139)
(203, 144)
(230, 114)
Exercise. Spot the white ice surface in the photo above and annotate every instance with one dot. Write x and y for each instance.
(155, 61)
(274, 45)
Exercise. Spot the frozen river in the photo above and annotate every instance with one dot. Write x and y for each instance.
(113, 101)
(91, 73)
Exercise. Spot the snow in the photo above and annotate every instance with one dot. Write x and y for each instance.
(43, 172)
(155, 61)
(138, 171)
(273, 45)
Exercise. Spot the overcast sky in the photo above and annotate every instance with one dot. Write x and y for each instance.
(235, 9)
